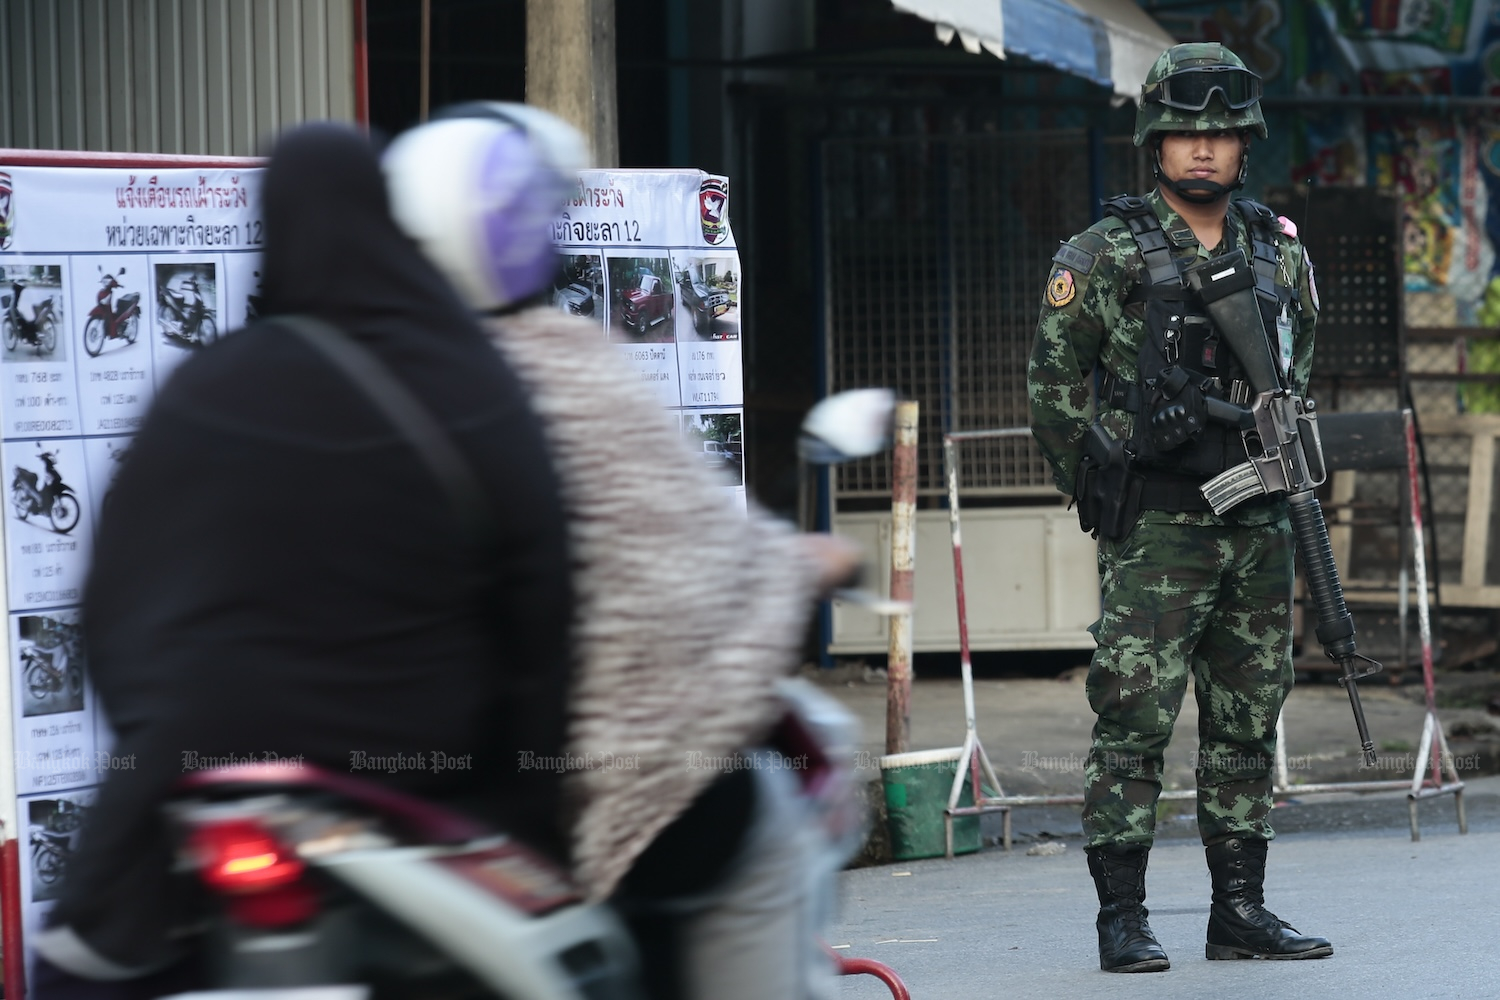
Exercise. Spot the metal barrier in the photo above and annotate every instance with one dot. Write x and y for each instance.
(974, 760)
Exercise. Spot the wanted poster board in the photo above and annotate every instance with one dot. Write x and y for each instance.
(110, 277)
(650, 257)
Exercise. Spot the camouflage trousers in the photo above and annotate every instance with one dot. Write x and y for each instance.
(1213, 600)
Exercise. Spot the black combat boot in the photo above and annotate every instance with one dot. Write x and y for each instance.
(1126, 943)
(1239, 925)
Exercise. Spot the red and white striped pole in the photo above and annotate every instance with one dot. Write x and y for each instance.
(10, 846)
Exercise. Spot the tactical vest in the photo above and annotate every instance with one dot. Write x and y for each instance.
(1182, 352)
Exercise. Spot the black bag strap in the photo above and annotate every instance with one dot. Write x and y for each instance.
(402, 408)
(1156, 252)
(1261, 222)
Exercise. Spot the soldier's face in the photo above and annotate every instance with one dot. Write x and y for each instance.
(1210, 156)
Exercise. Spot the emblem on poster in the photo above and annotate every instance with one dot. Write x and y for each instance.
(7, 212)
(713, 210)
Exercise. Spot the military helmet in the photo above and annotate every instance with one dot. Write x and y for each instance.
(1199, 87)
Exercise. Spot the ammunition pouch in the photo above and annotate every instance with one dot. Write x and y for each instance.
(1107, 489)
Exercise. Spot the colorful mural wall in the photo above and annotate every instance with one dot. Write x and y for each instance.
(1444, 160)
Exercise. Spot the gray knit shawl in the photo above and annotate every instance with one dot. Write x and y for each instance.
(687, 610)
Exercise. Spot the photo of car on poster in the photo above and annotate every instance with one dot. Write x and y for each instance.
(718, 439)
(52, 838)
(579, 287)
(33, 312)
(49, 662)
(709, 355)
(708, 297)
(48, 536)
(641, 300)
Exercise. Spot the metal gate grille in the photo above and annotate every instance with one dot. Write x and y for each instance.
(935, 254)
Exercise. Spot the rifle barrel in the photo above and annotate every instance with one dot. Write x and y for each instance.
(1335, 624)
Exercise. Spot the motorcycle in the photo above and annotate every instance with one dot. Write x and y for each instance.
(117, 454)
(40, 331)
(185, 315)
(320, 878)
(54, 497)
(312, 878)
(49, 854)
(44, 677)
(253, 302)
(106, 322)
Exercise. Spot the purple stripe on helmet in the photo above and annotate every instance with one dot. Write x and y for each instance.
(518, 192)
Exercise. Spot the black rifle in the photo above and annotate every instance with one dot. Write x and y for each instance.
(1280, 431)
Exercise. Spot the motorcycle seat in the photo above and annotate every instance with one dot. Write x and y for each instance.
(417, 818)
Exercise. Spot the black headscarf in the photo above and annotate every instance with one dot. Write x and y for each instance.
(279, 574)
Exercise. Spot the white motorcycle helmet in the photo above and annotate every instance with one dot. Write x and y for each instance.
(478, 190)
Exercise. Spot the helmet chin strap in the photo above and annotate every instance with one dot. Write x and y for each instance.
(1195, 190)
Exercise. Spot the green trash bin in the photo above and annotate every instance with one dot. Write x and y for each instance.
(916, 793)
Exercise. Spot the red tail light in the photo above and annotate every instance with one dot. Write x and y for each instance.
(241, 859)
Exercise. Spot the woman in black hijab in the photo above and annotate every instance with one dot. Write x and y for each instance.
(279, 574)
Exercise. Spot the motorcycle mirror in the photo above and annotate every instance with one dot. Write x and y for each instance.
(847, 425)
(122, 270)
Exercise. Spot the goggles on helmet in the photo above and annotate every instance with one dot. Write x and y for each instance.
(1192, 89)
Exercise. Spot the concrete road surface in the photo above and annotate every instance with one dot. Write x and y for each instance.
(1407, 920)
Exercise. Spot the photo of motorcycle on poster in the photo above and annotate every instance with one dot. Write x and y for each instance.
(650, 256)
(110, 277)
(48, 538)
(57, 742)
(52, 825)
(33, 312)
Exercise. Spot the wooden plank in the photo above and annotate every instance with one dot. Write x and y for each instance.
(1477, 514)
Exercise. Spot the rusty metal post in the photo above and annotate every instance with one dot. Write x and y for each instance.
(424, 90)
(570, 69)
(903, 566)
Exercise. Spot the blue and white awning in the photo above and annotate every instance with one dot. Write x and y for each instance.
(1111, 42)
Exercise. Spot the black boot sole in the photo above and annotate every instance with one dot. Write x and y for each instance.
(1150, 965)
(1228, 953)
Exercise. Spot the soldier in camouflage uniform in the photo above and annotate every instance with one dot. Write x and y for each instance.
(1124, 358)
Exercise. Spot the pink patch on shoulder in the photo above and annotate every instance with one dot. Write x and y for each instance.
(1287, 226)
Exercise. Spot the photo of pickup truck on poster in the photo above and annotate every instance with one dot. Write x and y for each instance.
(718, 439)
(579, 287)
(709, 295)
(641, 300)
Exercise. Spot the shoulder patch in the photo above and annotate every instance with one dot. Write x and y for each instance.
(1060, 288)
(1071, 256)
